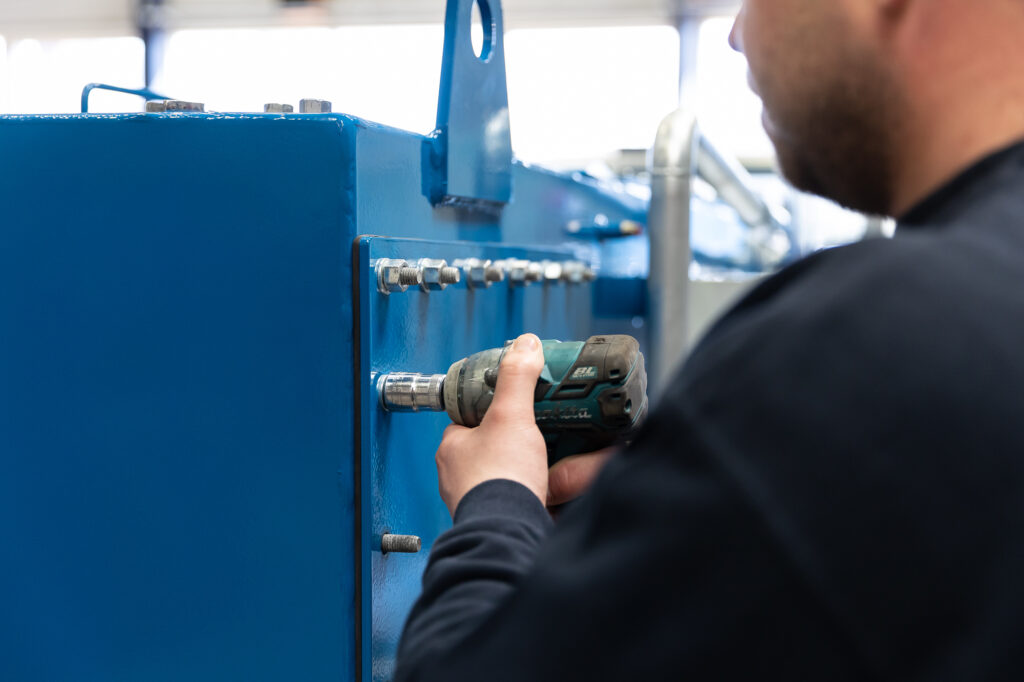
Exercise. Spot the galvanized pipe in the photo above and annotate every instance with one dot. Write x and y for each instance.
(680, 153)
(668, 280)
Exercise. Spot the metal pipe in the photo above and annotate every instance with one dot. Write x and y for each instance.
(680, 153)
(733, 184)
(668, 281)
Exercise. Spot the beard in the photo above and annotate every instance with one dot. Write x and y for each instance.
(838, 139)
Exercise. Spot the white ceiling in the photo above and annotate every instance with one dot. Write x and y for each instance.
(45, 18)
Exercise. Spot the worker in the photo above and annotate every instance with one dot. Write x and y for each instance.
(832, 488)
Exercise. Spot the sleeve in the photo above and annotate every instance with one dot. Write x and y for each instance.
(660, 572)
(498, 527)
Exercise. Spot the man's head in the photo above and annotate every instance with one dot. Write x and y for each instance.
(859, 94)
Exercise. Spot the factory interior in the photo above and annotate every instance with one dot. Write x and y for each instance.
(258, 256)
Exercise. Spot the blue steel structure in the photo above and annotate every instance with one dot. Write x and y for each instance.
(196, 473)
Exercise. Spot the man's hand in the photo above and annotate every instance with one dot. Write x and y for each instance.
(507, 444)
(572, 476)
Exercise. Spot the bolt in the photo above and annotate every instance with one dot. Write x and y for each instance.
(314, 106)
(480, 273)
(574, 272)
(436, 274)
(275, 108)
(534, 272)
(396, 275)
(401, 544)
(516, 270)
(178, 105)
(158, 106)
(552, 271)
(494, 272)
(411, 276)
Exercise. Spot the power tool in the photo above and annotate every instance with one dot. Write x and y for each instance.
(590, 394)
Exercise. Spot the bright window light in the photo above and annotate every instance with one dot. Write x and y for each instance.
(583, 93)
(47, 77)
(573, 93)
(728, 110)
(387, 74)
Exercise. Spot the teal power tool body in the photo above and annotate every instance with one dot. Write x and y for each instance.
(590, 394)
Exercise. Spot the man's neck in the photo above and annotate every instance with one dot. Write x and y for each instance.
(966, 100)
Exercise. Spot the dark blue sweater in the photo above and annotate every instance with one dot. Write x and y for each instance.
(833, 489)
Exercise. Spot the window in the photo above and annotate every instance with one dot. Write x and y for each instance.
(45, 77)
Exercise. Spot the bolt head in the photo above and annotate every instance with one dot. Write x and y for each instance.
(314, 106)
(476, 271)
(516, 271)
(552, 270)
(574, 272)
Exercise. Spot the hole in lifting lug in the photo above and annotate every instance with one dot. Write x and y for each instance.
(482, 31)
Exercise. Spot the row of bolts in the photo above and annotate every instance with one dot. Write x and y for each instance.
(430, 274)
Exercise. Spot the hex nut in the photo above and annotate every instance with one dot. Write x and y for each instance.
(574, 272)
(552, 271)
(435, 274)
(314, 106)
(480, 273)
(516, 271)
(392, 275)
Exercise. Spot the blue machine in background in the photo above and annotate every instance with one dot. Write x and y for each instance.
(196, 475)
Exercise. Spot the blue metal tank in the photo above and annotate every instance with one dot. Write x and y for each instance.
(195, 472)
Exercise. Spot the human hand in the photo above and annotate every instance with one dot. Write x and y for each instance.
(507, 444)
(571, 477)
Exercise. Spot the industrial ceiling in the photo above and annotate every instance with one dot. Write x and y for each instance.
(51, 18)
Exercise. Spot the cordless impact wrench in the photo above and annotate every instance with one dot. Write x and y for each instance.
(590, 394)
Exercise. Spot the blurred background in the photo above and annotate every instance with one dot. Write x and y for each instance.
(589, 80)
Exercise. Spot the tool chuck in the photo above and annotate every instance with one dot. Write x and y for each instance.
(410, 392)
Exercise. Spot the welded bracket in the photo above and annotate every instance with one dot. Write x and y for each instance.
(468, 159)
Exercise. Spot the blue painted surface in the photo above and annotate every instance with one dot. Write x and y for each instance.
(468, 160)
(175, 398)
(427, 332)
(177, 416)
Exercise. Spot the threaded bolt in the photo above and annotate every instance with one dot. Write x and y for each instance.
(401, 544)
(410, 277)
(450, 275)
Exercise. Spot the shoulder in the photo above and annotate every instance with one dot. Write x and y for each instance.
(821, 303)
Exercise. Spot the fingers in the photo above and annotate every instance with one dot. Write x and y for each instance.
(517, 381)
(569, 478)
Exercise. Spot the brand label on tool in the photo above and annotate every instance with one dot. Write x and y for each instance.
(563, 414)
(584, 374)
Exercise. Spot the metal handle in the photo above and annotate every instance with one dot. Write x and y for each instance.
(144, 93)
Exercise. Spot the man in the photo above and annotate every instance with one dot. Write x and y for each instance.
(833, 487)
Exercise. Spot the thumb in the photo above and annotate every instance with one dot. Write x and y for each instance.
(517, 381)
